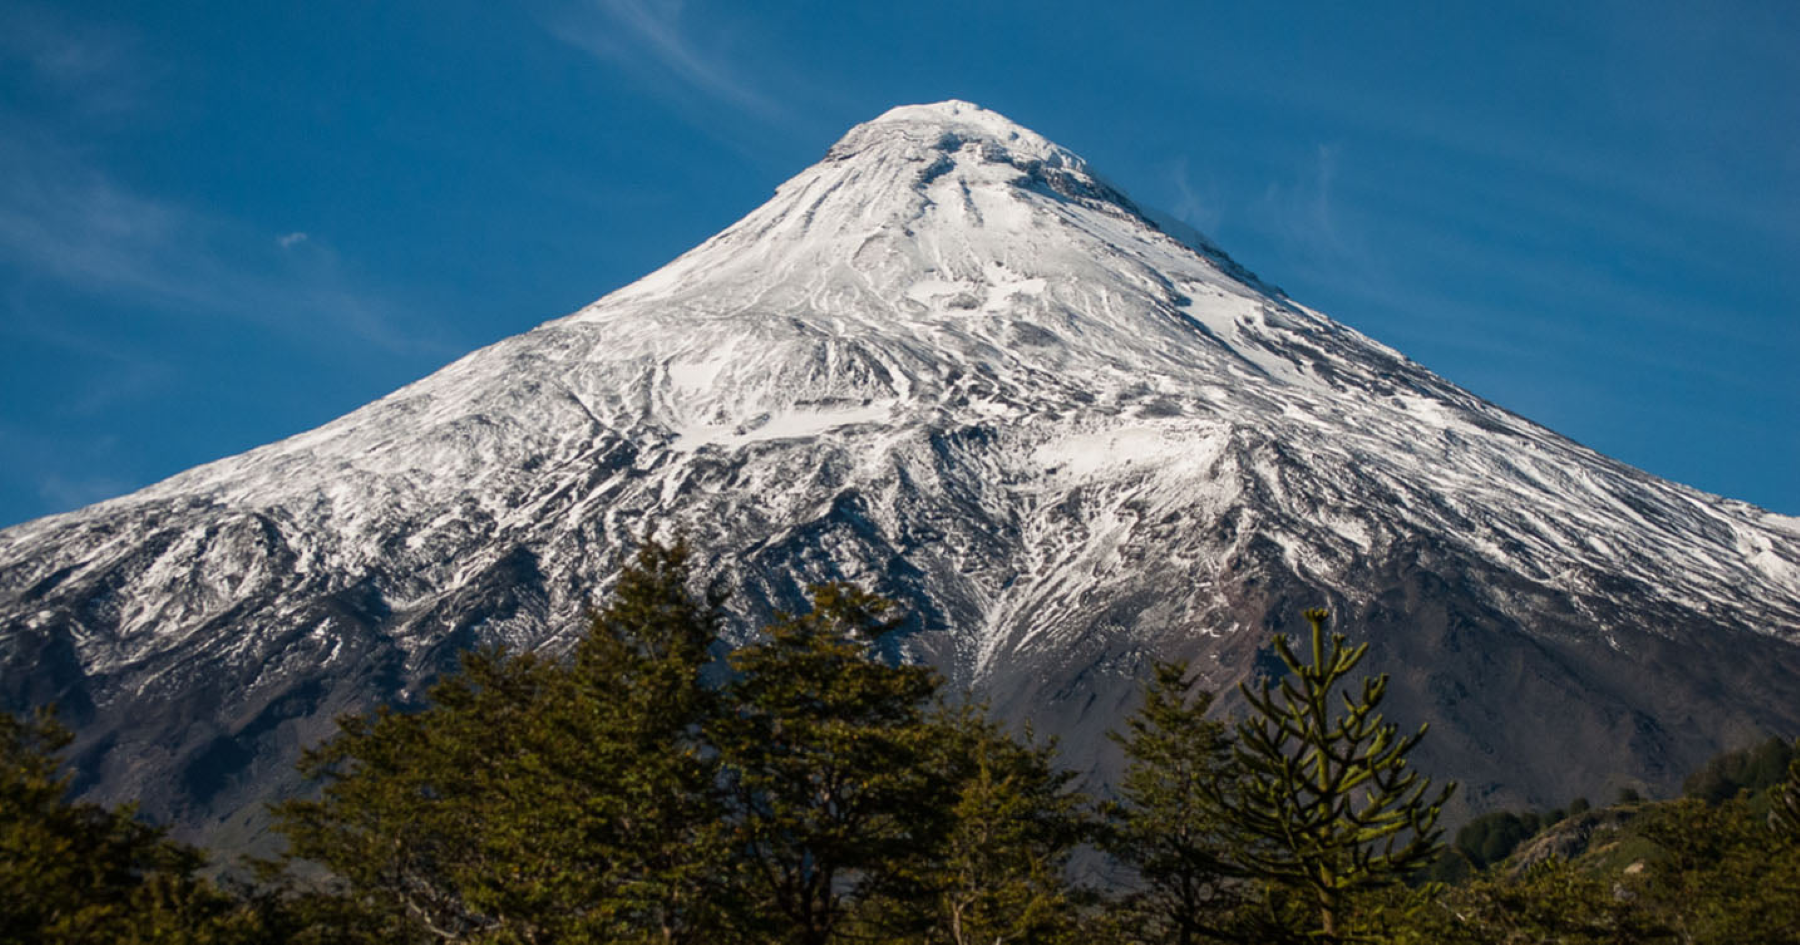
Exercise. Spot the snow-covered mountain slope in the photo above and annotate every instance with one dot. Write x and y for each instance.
(952, 362)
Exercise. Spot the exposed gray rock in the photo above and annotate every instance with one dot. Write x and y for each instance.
(950, 362)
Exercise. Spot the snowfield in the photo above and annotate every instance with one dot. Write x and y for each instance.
(952, 362)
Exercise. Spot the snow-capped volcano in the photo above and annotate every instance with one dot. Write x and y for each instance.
(951, 362)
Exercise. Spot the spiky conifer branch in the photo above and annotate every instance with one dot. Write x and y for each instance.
(1330, 793)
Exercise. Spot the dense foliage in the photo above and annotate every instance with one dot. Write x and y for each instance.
(78, 873)
(1492, 837)
(1756, 768)
(1784, 799)
(650, 787)
(1169, 824)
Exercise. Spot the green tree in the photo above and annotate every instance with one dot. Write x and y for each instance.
(1169, 824)
(646, 788)
(1750, 769)
(1493, 837)
(825, 752)
(1000, 871)
(1784, 800)
(417, 810)
(1326, 790)
(1550, 902)
(76, 873)
(537, 800)
(1718, 874)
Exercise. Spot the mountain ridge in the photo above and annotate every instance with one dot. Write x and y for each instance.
(951, 362)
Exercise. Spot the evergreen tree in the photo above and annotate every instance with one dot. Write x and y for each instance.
(537, 800)
(74, 874)
(825, 753)
(1000, 870)
(1756, 768)
(646, 788)
(1718, 875)
(1493, 837)
(1169, 825)
(1549, 902)
(1784, 801)
(418, 811)
(1326, 791)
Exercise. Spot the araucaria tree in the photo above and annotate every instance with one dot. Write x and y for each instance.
(1326, 791)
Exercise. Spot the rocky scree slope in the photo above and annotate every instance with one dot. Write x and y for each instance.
(953, 363)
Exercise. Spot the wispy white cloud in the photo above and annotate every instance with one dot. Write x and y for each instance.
(66, 222)
(65, 219)
(73, 229)
(94, 68)
(1687, 179)
(57, 470)
(1199, 206)
(1305, 217)
(656, 41)
(73, 492)
(67, 229)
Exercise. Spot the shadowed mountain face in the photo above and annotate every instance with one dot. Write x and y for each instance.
(952, 363)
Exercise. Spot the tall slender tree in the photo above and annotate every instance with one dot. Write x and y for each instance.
(999, 873)
(1169, 824)
(825, 751)
(1326, 788)
(637, 778)
(1784, 800)
(537, 800)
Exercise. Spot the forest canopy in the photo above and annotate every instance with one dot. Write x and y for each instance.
(654, 785)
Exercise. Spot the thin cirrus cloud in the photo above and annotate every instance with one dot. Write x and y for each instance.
(654, 41)
(65, 220)
(95, 70)
(77, 232)
(69, 223)
(1319, 235)
(1199, 205)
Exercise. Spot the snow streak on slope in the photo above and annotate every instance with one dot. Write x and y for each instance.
(953, 362)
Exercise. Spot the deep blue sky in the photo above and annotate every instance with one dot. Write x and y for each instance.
(223, 223)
